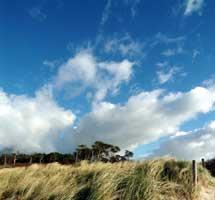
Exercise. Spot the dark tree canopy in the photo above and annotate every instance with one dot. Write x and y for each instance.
(210, 165)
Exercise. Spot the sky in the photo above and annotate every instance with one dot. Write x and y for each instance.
(139, 74)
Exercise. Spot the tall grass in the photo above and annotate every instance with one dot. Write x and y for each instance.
(160, 179)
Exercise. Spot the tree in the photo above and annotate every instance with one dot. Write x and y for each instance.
(210, 165)
(103, 150)
(128, 154)
(99, 151)
(82, 152)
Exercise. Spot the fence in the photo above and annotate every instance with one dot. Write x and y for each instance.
(195, 171)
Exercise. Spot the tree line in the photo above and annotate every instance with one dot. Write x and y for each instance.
(99, 151)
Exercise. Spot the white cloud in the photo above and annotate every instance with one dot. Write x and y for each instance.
(51, 64)
(162, 64)
(82, 67)
(169, 52)
(193, 6)
(144, 118)
(86, 71)
(196, 144)
(196, 53)
(106, 12)
(173, 52)
(32, 123)
(125, 46)
(209, 82)
(162, 38)
(133, 5)
(165, 76)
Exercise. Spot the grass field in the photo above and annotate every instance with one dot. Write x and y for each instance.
(160, 179)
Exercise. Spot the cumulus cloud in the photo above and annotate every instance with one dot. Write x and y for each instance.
(85, 71)
(195, 144)
(193, 6)
(36, 123)
(142, 119)
(32, 124)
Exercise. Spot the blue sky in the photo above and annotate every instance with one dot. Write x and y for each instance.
(133, 69)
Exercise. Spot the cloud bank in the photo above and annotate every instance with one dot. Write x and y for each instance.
(36, 123)
(196, 144)
(31, 124)
(144, 118)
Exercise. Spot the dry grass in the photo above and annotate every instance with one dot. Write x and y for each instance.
(161, 179)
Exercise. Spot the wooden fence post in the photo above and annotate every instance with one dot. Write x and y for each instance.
(30, 161)
(14, 159)
(41, 159)
(194, 173)
(203, 162)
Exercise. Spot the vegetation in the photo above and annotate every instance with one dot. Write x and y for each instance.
(99, 151)
(210, 165)
(98, 172)
(160, 179)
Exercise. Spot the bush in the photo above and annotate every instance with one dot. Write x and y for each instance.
(210, 165)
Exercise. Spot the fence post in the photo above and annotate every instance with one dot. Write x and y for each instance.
(30, 161)
(41, 158)
(194, 173)
(14, 159)
(203, 162)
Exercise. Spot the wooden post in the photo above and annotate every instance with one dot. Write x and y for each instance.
(41, 158)
(194, 172)
(5, 159)
(14, 159)
(203, 162)
(30, 161)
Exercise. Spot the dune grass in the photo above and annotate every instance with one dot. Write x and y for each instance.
(160, 179)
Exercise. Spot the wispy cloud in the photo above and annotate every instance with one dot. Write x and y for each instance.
(192, 6)
(196, 53)
(173, 51)
(162, 38)
(162, 64)
(164, 75)
(133, 4)
(51, 64)
(106, 12)
(124, 46)
(37, 13)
